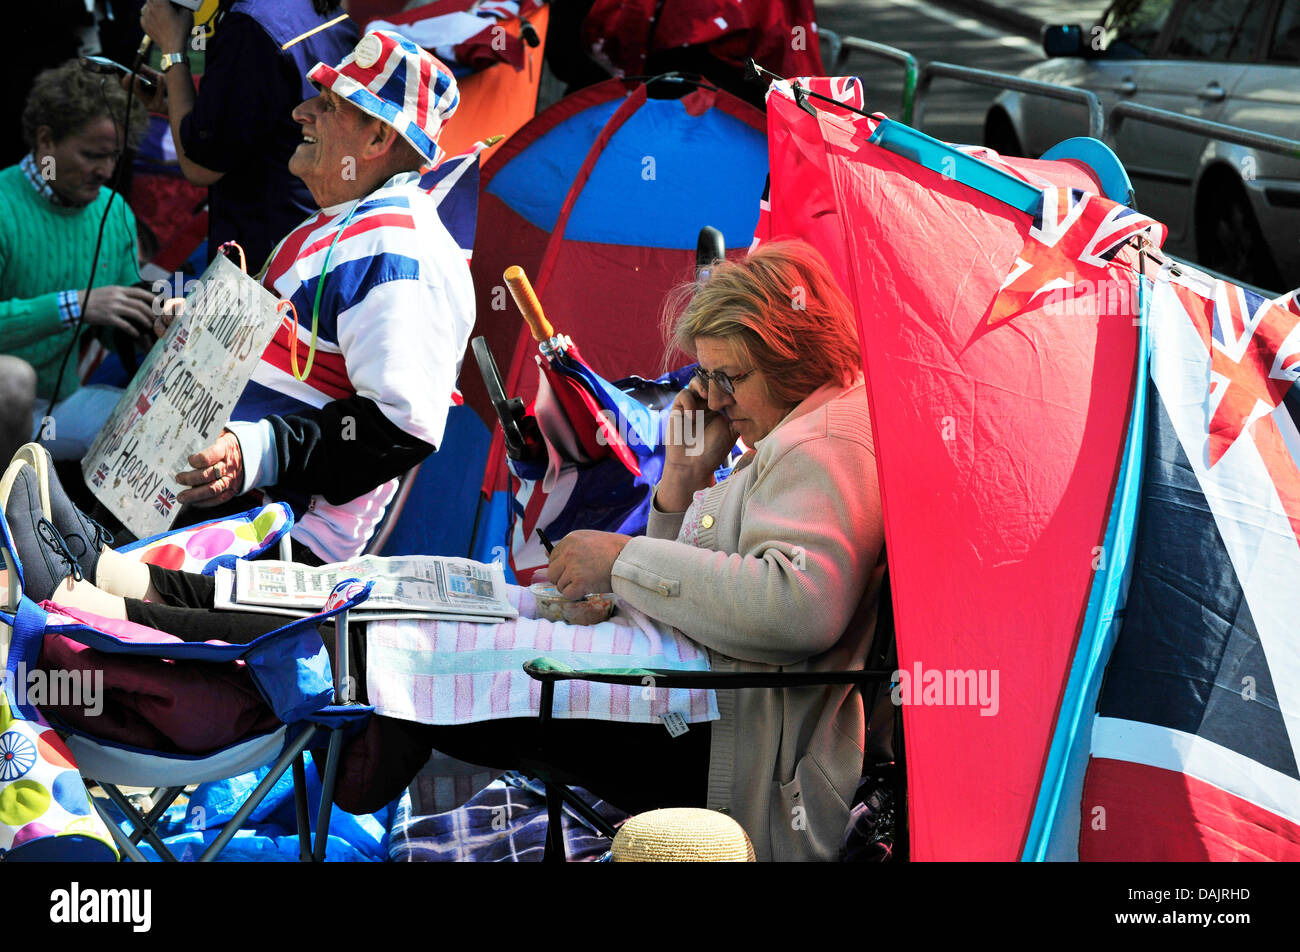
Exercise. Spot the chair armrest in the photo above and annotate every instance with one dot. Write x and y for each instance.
(549, 671)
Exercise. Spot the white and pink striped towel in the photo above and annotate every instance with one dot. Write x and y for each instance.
(438, 672)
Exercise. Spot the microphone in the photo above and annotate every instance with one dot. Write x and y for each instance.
(140, 53)
(143, 50)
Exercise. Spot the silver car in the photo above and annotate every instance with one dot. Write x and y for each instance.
(1230, 208)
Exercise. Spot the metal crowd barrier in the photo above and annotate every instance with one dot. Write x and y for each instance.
(987, 77)
(917, 79)
(1204, 127)
(843, 47)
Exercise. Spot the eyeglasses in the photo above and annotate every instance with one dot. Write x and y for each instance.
(725, 383)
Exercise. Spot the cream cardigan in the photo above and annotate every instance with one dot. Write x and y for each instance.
(786, 577)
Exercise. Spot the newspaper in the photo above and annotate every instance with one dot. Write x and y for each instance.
(181, 398)
(432, 585)
(224, 599)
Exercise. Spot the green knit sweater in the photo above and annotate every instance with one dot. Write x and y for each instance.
(47, 248)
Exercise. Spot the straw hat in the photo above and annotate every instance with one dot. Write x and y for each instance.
(682, 835)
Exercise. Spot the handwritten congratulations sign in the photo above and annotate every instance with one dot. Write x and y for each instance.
(180, 398)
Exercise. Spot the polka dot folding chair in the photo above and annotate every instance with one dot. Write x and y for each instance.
(202, 548)
(106, 686)
(45, 812)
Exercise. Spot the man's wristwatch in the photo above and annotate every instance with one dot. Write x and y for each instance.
(171, 59)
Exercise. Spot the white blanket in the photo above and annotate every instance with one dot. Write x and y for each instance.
(439, 672)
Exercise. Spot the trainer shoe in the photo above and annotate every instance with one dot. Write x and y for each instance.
(42, 551)
(84, 536)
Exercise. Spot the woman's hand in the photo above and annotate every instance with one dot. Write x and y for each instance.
(582, 561)
(698, 438)
(698, 442)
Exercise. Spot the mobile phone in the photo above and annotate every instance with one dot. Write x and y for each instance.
(108, 67)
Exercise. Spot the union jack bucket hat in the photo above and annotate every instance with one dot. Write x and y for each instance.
(389, 77)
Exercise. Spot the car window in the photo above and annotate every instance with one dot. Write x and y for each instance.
(1132, 26)
(1286, 38)
(1219, 30)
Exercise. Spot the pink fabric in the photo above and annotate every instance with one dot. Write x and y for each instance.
(125, 630)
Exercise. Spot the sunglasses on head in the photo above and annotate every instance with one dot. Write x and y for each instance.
(726, 384)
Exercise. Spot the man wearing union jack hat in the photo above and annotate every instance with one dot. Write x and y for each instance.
(355, 387)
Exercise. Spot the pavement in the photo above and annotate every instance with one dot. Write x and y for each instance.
(1027, 17)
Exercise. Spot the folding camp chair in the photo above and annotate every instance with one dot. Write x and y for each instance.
(289, 668)
(883, 762)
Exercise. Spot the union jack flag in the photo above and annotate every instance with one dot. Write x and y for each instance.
(149, 392)
(1255, 358)
(1196, 746)
(1289, 301)
(164, 502)
(842, 89)
(1072, 238)
(453, 183)
(101, 474)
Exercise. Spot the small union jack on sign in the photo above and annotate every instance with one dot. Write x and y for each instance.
(166, 499)
(153, 387)
(101, 474)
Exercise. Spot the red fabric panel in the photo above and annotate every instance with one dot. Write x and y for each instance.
(997, 450)
(622, 114)
(363, 11)
(165, 203)
(503, 238)
(1133, 812)
(606, 297)
(803, 202)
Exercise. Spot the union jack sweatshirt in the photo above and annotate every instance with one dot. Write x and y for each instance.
(395, 315)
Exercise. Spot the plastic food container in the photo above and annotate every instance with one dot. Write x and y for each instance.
(553, 606)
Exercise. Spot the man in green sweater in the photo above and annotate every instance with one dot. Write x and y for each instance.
(51, 206)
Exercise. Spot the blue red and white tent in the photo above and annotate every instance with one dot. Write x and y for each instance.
(1092, 502)
(600, 199)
